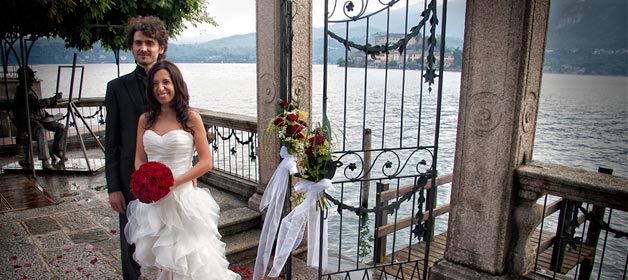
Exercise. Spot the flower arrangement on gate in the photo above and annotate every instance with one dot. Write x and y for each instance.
(316, 163)
(306, 154)
(290, 125)
(151, 182)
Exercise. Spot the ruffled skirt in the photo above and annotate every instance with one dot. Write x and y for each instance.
(178, 235)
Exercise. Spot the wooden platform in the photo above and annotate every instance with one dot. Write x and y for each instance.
(18, 192)
(437, 250)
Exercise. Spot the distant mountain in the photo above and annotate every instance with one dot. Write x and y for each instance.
(587, 37)
(588, 24)
(196, 39)
(584, 36)
(233, 49)
(394, 24)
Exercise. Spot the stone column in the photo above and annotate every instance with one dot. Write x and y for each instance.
(268, 40)
(269, 77)
(501, 75)
(302, 53)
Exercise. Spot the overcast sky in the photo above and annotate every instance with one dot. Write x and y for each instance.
(233, 17)
(238, 17)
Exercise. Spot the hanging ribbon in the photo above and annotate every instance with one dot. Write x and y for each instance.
(273, 199)
(293, 226)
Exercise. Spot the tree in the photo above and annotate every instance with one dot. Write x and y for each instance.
(83, 23)
(457, 63)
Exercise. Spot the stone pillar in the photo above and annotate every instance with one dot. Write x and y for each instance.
(269, 77)
(268, 40)
(501, 75)
(302, 53)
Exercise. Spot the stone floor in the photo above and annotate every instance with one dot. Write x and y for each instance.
(77, 237)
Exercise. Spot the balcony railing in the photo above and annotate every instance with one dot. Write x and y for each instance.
(575, 226)
(233, 138)
(582, 230)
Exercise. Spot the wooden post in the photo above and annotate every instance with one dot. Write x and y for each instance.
(366, 184)
(593, 234)
(381, 218)
(560, 243)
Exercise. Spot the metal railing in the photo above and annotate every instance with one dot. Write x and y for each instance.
(580, 234)
(234, 143)
(233, 138)
(582, 231)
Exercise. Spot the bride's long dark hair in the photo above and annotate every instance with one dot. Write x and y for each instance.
(181, 101)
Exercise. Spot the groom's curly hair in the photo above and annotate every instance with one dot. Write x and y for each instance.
(181, 101)
(150, 26)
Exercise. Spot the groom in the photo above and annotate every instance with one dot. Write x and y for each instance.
(147, 39)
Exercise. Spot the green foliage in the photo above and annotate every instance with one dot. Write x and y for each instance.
(82, 23)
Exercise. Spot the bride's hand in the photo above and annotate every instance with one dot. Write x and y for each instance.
(176, 183)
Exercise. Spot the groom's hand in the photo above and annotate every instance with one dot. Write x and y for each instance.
(116, 199)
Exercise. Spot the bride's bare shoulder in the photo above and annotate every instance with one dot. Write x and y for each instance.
(194, 118)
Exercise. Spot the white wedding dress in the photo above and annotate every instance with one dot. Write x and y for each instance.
(178, 234)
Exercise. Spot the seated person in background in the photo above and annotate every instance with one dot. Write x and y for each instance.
(40, 118)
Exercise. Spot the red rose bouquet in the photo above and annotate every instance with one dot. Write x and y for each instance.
(317, 162)
(290, 125)
(151, 181)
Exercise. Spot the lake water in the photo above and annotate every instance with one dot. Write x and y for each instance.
(582, 120)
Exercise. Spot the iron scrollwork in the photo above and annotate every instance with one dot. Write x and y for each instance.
(428, 15)
(391, 162)
(232, 134)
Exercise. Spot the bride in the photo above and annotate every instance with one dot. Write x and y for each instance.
(178, 235)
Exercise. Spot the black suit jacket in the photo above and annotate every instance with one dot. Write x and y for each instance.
(124, 101)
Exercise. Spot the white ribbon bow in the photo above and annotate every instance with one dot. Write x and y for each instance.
(293, 225)
(273, 199)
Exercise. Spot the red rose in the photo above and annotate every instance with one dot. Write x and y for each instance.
(303, 123)
(292, 129)
(320, 139)
(151, 181)
(283, 104)
(309, 151)
(278, 121)
(292, 117)
(300, 136)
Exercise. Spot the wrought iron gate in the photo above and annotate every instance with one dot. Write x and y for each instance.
(381, 93)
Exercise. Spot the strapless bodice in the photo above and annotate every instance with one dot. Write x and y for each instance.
(174, 149)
